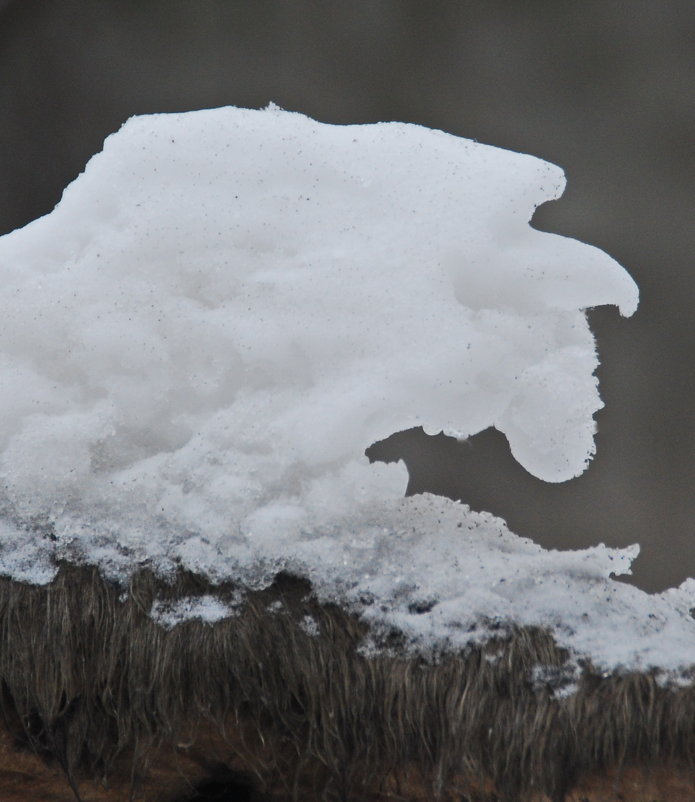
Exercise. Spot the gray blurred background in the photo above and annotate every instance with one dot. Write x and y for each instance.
(604, 89)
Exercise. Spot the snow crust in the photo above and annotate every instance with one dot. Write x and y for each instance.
(228, 306)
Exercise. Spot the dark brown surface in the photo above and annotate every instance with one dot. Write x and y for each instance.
(658, 784)
(175, 773)
(25, 776)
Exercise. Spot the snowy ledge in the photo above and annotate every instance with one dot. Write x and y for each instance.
(229, 306)
(442, 576)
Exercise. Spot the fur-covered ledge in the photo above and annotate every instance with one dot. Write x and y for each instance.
(100, 702)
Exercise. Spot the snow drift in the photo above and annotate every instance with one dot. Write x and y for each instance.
(228, 306)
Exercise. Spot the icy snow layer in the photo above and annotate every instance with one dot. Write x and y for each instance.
(439, 573)
(229, 306)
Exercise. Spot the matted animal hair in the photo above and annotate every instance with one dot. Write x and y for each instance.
(90, 680)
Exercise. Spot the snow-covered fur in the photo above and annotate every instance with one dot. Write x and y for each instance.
(292, 700)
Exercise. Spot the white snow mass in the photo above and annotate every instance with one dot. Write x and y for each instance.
(207, 608)
(229, 306)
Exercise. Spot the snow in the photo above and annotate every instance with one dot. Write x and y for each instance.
(207, 608)
(229, 306)
(310, 626)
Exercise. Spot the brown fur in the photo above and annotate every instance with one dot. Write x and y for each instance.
(91, 681)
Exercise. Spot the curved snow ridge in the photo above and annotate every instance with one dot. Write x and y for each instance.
(446, 577)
